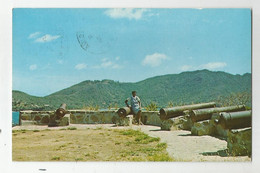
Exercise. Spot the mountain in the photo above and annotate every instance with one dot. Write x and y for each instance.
(183, 88)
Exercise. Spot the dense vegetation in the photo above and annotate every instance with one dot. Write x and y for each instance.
(172, 89)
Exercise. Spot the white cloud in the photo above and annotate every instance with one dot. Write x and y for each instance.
(213, 65)
(80, 66)
(47, 38)
(209, 66)
(129, 13)
(106, 63)
(117, 58)
(33, 67)
(154, 59)
(33, 35)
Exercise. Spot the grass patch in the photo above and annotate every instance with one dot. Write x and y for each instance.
(72, 128)
(161, 145)
(98, 128)
(154, 139)
(89, 145)
(160, 157)
(78, 159)
(55, 158)
(130, 132)
(140, 137)
(23, 131)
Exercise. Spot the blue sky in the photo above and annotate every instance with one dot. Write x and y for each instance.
(57, 48)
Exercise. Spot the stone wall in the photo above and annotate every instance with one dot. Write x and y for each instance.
(93, 117)
(35, 117)
(86, 117)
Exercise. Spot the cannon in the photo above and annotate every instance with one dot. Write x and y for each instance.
(235, 120)
(166, 113)
(205, 114)
(59, 113)
(123, 112)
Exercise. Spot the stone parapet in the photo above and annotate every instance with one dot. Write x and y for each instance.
(85, 117)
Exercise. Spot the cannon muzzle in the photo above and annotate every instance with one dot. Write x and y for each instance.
(123, 112)
(61, 111)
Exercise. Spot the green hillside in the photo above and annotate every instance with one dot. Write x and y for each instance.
(183, 88)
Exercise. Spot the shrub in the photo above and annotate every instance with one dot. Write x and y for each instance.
(170, 104)
(243, 98)
(151, 107)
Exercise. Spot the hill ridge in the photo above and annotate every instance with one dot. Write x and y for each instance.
(185, 87)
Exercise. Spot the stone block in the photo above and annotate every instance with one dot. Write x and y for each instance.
(220, 131)
(80, 118)
(172, 123)
(125, 121)
(45, 119)
(115, 119)
(108, 117)
(202, 128)
(151, 118)
(72, 118)
(65, 121)
(239, 142)
(25, 116)
(94, 118)
(27, 122)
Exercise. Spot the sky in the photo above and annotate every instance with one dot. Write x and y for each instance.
(56, 48)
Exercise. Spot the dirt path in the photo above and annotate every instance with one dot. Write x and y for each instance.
(181, 145)
(185, 147)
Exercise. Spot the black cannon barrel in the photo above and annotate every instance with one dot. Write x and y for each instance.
(123, 112)
(166, 113)
(205, 114)
(61, 111)
(235, 120)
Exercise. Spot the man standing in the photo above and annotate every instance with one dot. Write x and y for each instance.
(135, 103)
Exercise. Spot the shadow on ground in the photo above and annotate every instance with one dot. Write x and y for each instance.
(155, 130)
(186, 134)
(221, 153)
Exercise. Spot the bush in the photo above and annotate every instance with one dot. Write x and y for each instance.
(170, 104)
(151, 107)
(243, 98)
